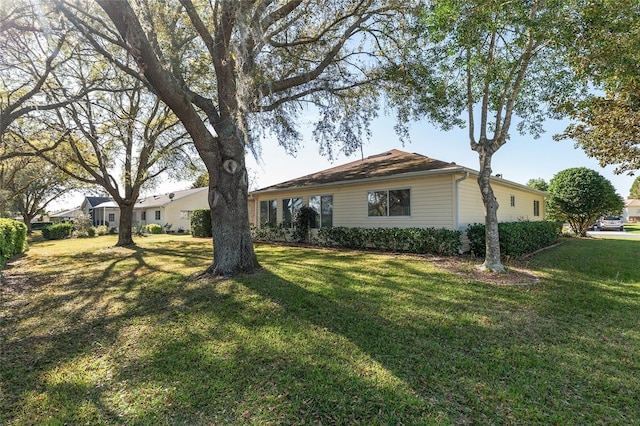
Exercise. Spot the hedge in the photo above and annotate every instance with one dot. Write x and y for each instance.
(201, 223)
(154, 228)
(516, 238)
(13, 237)
(411, 240)
(57, 231)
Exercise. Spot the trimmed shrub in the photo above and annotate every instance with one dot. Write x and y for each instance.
(516, 238)
(102, 230)
(154, 228)
(57, 231)
(13, 237)
(410, 240)
(201, 223)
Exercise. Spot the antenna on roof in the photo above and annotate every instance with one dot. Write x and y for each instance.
(171, 195)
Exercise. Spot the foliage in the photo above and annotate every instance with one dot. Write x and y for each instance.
(490, 63)
(634, 192)
(201, 223)
(201, 181)
(538, 183)
(81, 223)
(13, 236)
(104, 335)
(102, 230)
(302, 224)
(516, 238)
(580, 196)
(270, 232)
(153, 228)
(411, 240)
(57, 231)
(604, 51)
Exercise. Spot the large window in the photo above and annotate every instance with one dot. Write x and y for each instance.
(290, 206)
(112, 217)
(143, 215)
(536, 208)
(396, 202)
(186, 214)
(323, 207)
(269, 212)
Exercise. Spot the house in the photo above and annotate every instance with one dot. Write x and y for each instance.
(65, 215)
(394, 189)
(88, 207)
(631, 211)
(173, 208)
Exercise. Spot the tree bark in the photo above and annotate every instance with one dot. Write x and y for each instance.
(125, 237)
(492, 260)
(228, 190)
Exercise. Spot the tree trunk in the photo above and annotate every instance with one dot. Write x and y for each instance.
(492, 238)
(228, 189)
(125, 237)
(27, 221)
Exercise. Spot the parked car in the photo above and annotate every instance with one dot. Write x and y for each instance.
(611, 223)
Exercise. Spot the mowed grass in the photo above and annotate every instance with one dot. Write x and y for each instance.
(93, 334)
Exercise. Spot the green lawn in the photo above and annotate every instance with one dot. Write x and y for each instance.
(632, 227)
(99, 335)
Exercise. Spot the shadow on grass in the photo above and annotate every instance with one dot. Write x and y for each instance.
(316, 336)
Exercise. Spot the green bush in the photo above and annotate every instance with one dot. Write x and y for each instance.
(516, 238)
(154, 228)
(201, 223)
(57, 231)
(91, 231)
(102, 230)
(270, 232)
(13, 237)
(411, 240)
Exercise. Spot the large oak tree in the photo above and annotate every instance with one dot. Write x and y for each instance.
(232, 70)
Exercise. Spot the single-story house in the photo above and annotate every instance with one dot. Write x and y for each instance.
(88, 207)
(173, 208)
(631, 211)
(394, 189)
(65, 215)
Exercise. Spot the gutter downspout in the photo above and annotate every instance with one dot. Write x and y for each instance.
(457, 189)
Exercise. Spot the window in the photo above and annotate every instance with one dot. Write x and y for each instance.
(536, 208)
(157, 214)
(512, 202)
(269, 212)
(290, 206)
(323, 207)
(112, 217)
(143, 215)
(185, 214)
(134, 216)
(396, 202)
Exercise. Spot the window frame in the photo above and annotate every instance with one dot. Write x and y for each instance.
(158, 215)
(536, 208)
(272, 206)
(512, 200)
(389, 205)
(289, 210)
(324, 212)
(111, 217)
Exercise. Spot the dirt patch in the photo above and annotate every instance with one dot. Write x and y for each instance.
(468, 267)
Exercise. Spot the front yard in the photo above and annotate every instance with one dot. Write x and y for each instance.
(92, 334)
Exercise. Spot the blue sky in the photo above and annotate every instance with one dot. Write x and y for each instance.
(520, 159)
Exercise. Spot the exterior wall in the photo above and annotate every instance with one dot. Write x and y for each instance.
(177, 212)
(150, 216)
(102, 215)
(472, 208)
(431, 202)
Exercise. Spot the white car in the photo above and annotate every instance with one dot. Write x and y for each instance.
(611, 223)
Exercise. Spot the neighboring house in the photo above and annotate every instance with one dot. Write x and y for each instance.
(395, 189)
(65, 215)
(107, 213)
(174, 208)
(631, 212)
(88, 206)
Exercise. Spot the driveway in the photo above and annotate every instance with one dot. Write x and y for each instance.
(612, 234)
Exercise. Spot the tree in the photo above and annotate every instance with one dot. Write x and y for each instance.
(538, 183)
(35, 185)
(580, 196)
(605, 52)
(492, 62)
(121, 140)
(634, 192)
(201, 181)
(231, 70)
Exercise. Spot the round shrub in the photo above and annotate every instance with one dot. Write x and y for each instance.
(154, 228)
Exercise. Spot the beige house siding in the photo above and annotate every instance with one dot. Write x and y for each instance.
(472, 208)
(178, 212)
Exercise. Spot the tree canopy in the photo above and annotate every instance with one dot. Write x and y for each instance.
(580, 196)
